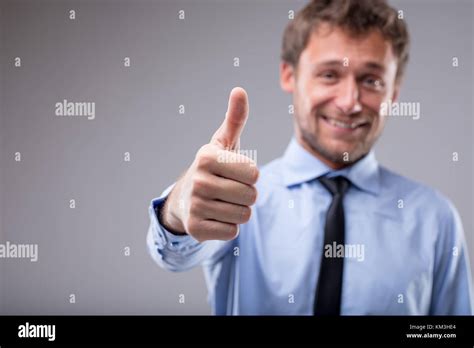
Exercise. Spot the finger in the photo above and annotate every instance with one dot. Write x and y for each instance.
(215, 230)
(224, 212)
(234, 192)
(227, 190)
(235, 166)
(228, 134)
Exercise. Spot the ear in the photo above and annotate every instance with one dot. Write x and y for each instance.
(287, 77)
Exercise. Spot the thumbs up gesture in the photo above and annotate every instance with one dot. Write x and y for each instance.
(215, 194)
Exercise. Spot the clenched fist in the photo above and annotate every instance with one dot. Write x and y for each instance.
(215, 194)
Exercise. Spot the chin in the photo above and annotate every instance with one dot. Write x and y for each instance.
(342, 153)
(339, 148)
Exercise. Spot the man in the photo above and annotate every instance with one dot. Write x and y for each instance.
(331, 232)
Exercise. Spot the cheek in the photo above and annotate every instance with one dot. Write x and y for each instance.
(313, 95)
(377, 125)
(372, 102)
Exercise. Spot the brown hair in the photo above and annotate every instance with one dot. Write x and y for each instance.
(358, 17)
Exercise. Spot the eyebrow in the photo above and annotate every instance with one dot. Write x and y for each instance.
(338, 63)
(375, 66)
(333, 62)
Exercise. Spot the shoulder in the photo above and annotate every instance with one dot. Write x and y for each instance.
(417, 197)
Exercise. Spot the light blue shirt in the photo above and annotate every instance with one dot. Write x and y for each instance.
(404, 245)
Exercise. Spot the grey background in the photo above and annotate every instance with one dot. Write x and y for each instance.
(190, 62)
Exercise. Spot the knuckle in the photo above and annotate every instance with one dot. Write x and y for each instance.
(193, 226)
(204, 162)
(195, 207)
(200, 185)
(205, 158)
(203, 150)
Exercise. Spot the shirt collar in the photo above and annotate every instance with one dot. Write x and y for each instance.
(300, 166)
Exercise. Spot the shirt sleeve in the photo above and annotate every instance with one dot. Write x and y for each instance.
(179, 252)
(452, 284)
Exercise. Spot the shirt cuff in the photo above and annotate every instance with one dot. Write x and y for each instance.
(163, 237)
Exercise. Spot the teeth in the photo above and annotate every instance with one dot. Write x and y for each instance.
(342, 124)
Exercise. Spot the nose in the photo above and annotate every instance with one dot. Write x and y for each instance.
(347, 100)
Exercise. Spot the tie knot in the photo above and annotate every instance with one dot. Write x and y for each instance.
(336, 185)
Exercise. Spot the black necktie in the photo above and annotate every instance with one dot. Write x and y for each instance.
(328, 292)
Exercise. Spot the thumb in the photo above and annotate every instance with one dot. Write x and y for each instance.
(228, 134)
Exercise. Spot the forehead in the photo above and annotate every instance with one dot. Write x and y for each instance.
(328, 43)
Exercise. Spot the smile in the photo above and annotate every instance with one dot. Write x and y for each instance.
(341, 124)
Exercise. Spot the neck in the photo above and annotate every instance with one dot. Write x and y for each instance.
(331, 164)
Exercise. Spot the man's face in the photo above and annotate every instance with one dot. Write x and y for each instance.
(338, 87)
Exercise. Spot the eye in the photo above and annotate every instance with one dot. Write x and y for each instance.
(328, 75)
(373, 82)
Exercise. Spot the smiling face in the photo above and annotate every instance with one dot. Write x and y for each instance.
(338, 87)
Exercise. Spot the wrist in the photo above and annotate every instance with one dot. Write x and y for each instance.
(168, 220)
